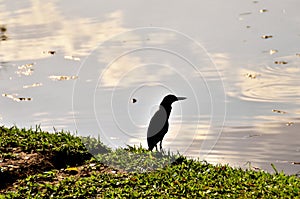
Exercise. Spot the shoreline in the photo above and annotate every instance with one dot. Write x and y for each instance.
(40, 164)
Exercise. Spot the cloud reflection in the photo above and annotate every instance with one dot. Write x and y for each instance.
(41, 26)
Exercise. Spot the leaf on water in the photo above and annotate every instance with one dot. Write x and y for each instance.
(280, 62)
(266, 36)
(3, 37)
(51, 52)
(278, 111)
(25, 69)
(253, 135)
(245, 13)
(251, 75)
(3, 28)
(23, 99)
(15, 98)
(33, 85)
(263, 10)
(25, 66)
(8, 96)
(60, 78)
(289, 123)
(72, 58)
(273, 51)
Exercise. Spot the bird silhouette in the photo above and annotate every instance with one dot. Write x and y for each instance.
(159, 123)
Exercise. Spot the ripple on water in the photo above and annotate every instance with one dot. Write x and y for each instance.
(275, 83)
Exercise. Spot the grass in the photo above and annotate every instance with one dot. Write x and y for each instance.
(37, 164)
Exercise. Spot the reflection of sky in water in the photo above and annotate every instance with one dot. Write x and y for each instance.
(125, 63)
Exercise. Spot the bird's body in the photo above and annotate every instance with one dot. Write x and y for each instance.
(159, 124)
(158, 127)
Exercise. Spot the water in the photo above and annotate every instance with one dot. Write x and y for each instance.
(242, 89)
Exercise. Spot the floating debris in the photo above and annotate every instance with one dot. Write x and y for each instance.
(245, 13)
(23, 99)
(266, 36)
(3, 28)
(60, 78)
(72, 58)
(25, 69)
(298, 54)
(280, 62)
(248, 26)
(278, 111)
(273, 51)
(33, 85)
(296, 163)
(252, 135)
(263, 10)
(26, 66)
(3, 37)
(251, 75)
(289, 123)
(15, 98)
(134, 100)
(52, 52)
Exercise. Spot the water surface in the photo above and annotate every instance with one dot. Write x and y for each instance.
(79, 66)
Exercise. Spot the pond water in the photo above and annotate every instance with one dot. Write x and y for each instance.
(101, 69)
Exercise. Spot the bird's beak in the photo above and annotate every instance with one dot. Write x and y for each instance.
(181, 98)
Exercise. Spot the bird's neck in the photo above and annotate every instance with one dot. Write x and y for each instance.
(167, 109)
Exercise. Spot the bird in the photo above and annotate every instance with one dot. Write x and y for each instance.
(159, 124)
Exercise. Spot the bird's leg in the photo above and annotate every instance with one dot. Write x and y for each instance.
(156, 147)
(160, 145)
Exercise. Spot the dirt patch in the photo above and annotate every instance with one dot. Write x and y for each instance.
(18, 164)
(56, 175)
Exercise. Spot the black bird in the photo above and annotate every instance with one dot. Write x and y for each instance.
(159, 123)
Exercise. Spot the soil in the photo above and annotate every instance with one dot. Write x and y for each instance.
(21, 164)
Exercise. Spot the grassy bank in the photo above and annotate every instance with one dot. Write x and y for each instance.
(36, 164)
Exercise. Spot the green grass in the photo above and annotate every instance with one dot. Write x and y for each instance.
(136, 172)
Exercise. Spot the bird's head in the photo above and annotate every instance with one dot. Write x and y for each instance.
(169, 99)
